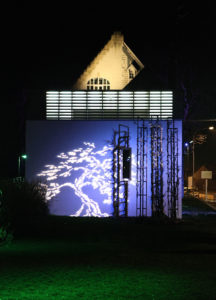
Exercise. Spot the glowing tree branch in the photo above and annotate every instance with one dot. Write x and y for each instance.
(95, 173)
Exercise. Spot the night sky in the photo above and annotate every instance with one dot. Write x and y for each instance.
(47, 46)
(50, 45)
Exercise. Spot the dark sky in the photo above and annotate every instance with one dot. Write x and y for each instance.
(47, 45)
(50, 44)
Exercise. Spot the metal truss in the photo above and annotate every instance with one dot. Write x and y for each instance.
(156, 169)
(141, 171)
(172, 169)
(120, 185)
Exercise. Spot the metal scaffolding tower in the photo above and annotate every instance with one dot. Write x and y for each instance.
(120, 185)
(156, 169)
(141, 170)
(172, 169)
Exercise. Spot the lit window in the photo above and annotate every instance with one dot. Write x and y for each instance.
(98, 84)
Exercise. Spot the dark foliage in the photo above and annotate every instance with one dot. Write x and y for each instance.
(6, 234)
(22, 202)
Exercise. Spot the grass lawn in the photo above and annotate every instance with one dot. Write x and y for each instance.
(92, 258)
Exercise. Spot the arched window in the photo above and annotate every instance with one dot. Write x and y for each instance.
(98, 84)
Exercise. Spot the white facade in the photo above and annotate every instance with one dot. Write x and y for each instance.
(112, 69)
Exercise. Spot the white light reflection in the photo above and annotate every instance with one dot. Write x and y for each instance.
(95, 173)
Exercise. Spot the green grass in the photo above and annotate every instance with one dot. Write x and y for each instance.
(92, 258)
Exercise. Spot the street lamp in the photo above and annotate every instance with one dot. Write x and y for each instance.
(198, 139)
(22, 156)
(186, 162)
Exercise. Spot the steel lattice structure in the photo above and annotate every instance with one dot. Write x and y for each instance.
(120, 185)
(141, 172)
(172, 168)
(156, 169)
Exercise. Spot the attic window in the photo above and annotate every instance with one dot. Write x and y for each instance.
(131, 74)
(98, 84)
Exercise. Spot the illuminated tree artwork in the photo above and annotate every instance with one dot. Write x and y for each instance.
(93, 171)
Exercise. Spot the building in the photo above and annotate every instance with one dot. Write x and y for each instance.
(112, 69)
(104, 150)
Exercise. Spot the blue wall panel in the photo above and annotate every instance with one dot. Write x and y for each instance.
(74, 160)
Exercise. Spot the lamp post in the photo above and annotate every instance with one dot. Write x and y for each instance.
(22, 156)
(186, 162)
(197, 139)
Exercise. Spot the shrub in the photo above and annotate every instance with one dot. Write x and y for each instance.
(6, 235)
(23, 201)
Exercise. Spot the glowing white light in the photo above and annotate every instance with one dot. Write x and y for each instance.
(78, 103)
(95, 173)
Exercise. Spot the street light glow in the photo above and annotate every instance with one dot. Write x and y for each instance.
(22, 156)
(211, 127)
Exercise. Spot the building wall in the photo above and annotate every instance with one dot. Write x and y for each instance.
(74, 159)
(113, 63)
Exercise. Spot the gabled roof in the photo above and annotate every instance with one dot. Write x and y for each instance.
(116, 63)
(133, 57)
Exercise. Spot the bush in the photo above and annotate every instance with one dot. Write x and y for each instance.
(22, 202)
(6, 235)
